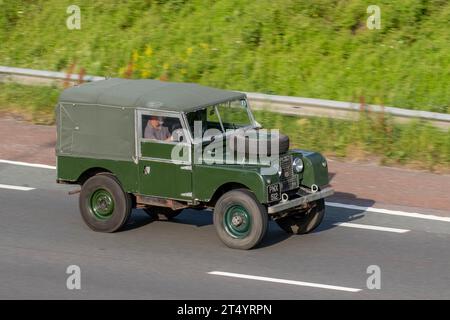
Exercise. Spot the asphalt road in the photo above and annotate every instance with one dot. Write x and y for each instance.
(41, 234)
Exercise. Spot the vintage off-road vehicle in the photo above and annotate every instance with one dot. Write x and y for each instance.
(159, 146)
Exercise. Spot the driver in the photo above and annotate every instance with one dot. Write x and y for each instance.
(155, 129)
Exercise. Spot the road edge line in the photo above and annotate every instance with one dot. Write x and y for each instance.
(370, 227)
(26, 164)
(390, 212)
(11, 187)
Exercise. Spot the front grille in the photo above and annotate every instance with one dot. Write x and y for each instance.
(288, 179)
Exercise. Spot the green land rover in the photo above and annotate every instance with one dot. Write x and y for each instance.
(164, 147)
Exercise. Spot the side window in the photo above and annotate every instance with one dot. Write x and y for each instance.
(162, 128)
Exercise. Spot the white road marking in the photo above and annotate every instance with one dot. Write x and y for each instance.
(293, 282)
(386, 211)
(26, 164)
(370, 227)
(7, 186)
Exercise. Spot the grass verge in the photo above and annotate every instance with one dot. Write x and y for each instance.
(32, 103)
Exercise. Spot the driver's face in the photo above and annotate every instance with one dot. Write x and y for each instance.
(155, 122)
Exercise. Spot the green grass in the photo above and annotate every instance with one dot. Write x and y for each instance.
(33, 103)
(319, 49)
(417, 144)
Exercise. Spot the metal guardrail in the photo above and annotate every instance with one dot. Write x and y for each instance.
(347, 106)
(43, 74)
(281, 104)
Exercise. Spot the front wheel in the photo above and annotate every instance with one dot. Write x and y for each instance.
(240, 220)
(304, 221)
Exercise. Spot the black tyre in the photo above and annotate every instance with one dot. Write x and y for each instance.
(240, 220)
(162, 213)
(104, 205)
(283, 143)
(304, 221)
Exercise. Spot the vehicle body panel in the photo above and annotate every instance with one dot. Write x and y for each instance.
(70, 169)
(208, 178)
(161, 176)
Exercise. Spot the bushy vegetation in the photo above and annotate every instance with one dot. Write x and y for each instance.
(319, 49)
(32, 103)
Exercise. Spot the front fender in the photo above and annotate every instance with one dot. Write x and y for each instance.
(315, 169)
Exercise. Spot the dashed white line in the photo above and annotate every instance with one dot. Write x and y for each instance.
(7, 186)
(284, 281)
(370, 227)
(26, 164)
(386, 211)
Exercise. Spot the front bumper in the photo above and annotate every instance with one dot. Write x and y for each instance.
(289, 204)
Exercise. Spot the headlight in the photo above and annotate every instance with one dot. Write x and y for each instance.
(297, 164)
(280, 171)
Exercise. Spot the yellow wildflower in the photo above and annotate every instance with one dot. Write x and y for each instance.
(148, 51)
(135, 56)
(145, 74)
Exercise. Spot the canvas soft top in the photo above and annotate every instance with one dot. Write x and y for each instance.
(152, 94)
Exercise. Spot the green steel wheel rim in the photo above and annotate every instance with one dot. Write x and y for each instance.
(101, 204)
(237, 221)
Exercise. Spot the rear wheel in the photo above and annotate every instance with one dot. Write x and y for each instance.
(240, 220)
(304, 221)
(162, 213)
(104, 205)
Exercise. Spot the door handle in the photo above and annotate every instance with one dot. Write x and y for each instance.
(147, 170)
